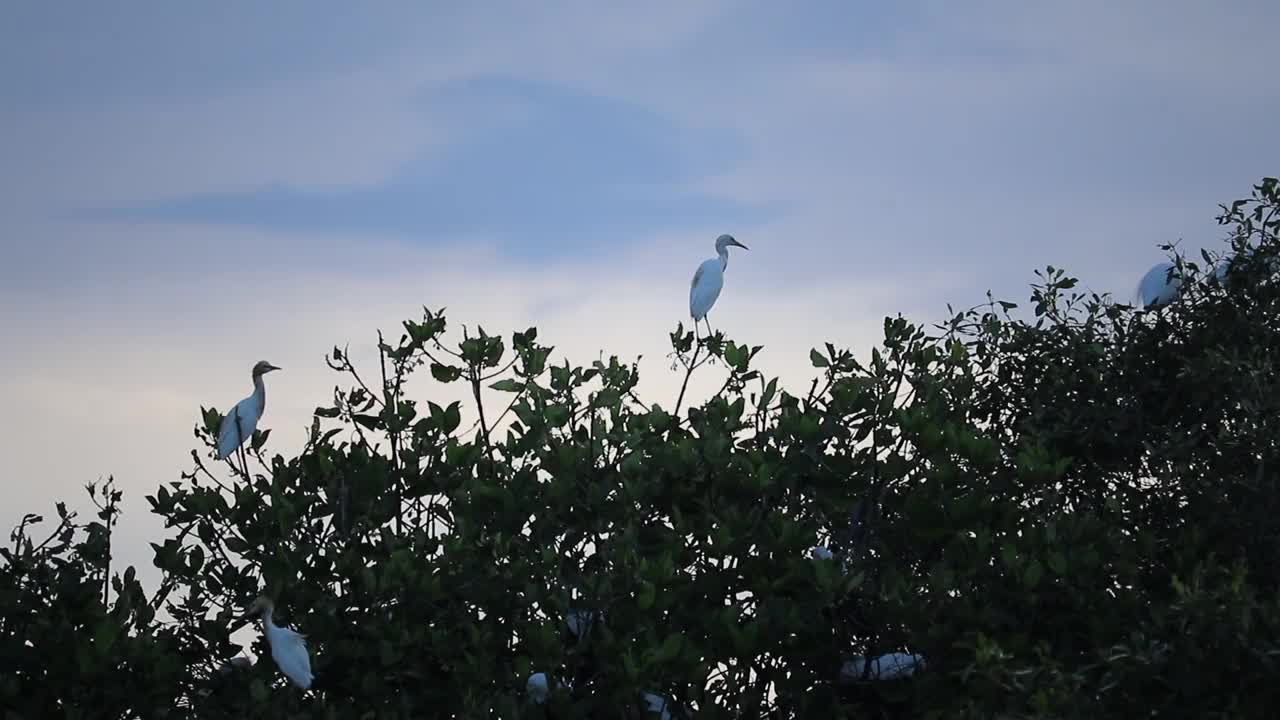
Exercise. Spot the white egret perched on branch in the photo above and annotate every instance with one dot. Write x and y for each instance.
(709, 279)
(1228, 265)
(1157, 287)
(239, 424)
(885, 667)
(538, 688)
(288, 648)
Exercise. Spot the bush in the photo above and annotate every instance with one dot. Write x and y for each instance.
(1070, 515)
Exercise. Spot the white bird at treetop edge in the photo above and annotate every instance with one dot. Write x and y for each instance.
(1157, 288)
(709, 279)
(288, 648)
(239, 424)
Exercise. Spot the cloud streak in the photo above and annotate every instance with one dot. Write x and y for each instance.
(543, 168)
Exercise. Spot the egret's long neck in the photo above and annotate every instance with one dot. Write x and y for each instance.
(259, 394)
(266, 618)
(723, 252)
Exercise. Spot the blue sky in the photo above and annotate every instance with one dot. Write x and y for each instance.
(541, 168)
(188, 189)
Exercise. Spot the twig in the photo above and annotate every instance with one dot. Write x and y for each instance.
(391, 401)
(693, 365)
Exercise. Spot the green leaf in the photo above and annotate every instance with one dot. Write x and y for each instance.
(557, 415)
(508, 385)
(1057, 562)
(645, 596)
(445, 373)
(258, 691)
(1033, 573)
(817, 359)
(670, 648)
(733, 354)
(259, 439)
(1010, 555)
(769, 391)
(105, 635)
(452, 418)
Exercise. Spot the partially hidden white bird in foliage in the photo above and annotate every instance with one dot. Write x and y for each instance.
(288, 648)
(1158, 287)
(238, 424)
(709, 280)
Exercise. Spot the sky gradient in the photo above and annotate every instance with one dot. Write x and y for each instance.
(187, 190)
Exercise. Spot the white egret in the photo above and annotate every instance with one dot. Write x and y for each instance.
(288, 648)
(822, 553)
(1221, 270)
(581, 622)
(709, 279)
(221, 684)
(886, 667)
(1157, 288)
(657, 704)
(238, 424)
(1227, 265)
(238, 662)
(538, 688)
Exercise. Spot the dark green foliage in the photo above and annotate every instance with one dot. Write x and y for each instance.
(1070, 516)
(65, 651)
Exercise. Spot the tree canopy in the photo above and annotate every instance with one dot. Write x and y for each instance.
(1067, 512)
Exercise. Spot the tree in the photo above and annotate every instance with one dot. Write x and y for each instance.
(1068, 515)
(67, 648)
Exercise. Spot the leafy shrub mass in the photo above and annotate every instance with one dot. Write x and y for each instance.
(1071, 515)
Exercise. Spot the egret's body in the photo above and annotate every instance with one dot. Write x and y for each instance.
(708, 281)
(236, 663)
(538, 688)
(1228, 265)
(581, 622)
(1157, 288)
(288, 648)
(1221, 270)
(655, 703)
(886, 667)
(239, 424)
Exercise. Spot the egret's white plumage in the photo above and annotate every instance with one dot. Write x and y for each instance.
(239, 424)
(709, 279)
(288, 648)
(821, 552)
(236, 663)
(581, 622)
(1221, 269)
(1227, 265)
(886, 667)
(1157, 287)
(538, 688)
(655, 703)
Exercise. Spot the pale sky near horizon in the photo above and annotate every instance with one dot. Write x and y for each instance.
(185, 190)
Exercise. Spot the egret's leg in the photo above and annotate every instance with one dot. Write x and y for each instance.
(244, 461)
